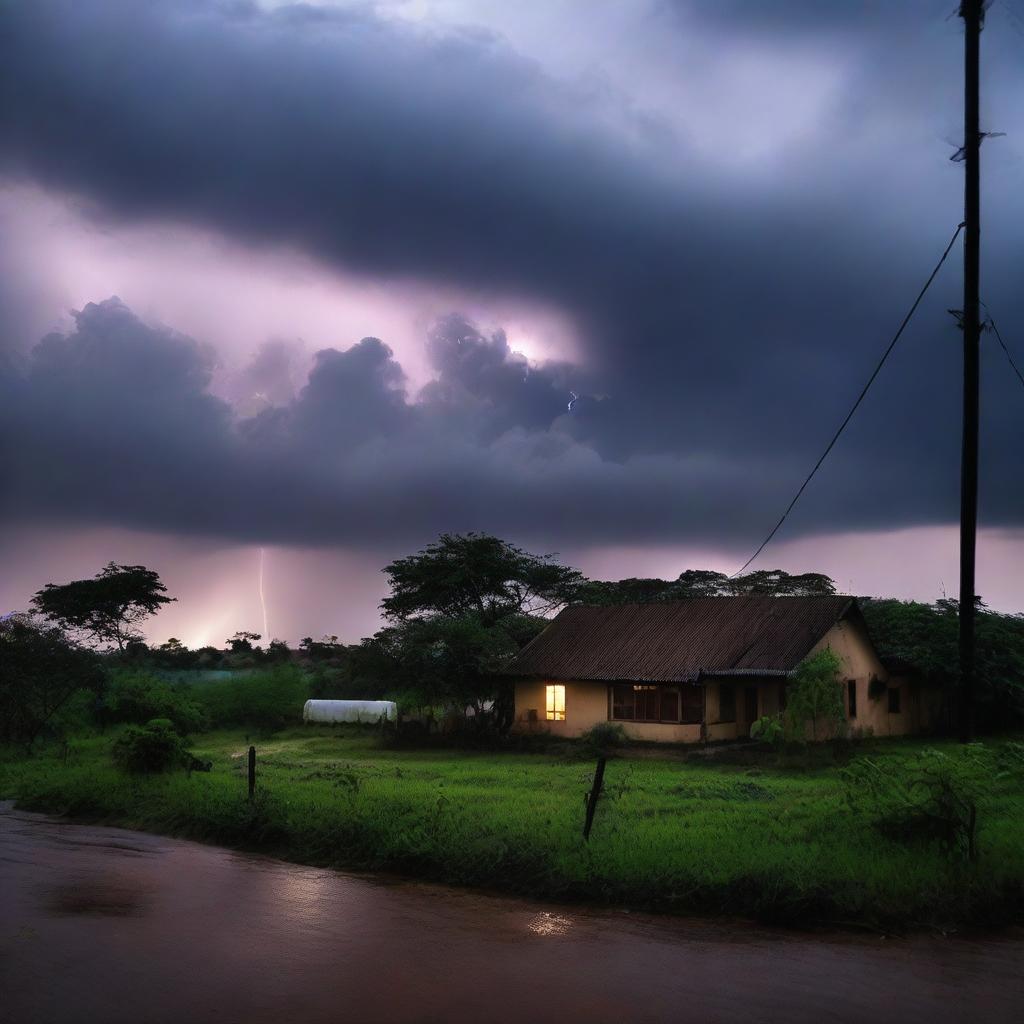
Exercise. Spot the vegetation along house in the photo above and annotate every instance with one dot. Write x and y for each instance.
(702, 668)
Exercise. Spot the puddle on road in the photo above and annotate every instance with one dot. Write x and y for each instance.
(96, 897)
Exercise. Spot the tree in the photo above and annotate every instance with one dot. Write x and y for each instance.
(703, 583)
(40, 670)
(629, 591)
(327, 648)
(457, 610)
(105, 609)
(814, 695)
(448, 662)
(278, 650)
(462, 574)
(924, 637)
(779, 583)
(242, 641)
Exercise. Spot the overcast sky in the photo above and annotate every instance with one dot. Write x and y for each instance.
(599, 277)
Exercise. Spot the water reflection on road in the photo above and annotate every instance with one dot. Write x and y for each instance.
(106, 925)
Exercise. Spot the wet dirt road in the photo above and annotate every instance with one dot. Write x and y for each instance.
(106, 925)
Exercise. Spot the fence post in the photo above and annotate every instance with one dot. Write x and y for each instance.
(595, 792)
(252, 772)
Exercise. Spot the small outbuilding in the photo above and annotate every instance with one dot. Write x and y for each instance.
(365, 711)
(703, 668)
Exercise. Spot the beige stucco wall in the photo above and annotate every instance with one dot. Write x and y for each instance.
(586, 704)
(861, 664)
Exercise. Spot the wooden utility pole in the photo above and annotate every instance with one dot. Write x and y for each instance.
(973, 13)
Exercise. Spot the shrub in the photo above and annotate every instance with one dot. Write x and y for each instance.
(932, 798)
(814, 696)
(767, 729)
(154, 747)
(604, 736)
(139, 697)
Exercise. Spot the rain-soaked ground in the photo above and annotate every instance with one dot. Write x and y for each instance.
(106, 925)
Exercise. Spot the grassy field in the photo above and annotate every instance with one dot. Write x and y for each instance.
(773, 843)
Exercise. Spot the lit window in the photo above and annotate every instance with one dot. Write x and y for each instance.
(555, 703)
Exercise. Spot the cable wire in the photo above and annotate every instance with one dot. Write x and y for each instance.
(856, 404)
(995, 330)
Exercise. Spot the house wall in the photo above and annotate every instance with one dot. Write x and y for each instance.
(861, 663)
(586, 704)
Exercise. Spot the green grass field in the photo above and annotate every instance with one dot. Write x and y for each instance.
(774, 843)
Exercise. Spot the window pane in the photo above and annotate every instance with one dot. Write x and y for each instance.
(646, 700)
(851, 690)
(693, 704)
(622, 703)
(894, 701)
(555, 703)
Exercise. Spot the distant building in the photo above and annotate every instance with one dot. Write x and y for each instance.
(703, 668)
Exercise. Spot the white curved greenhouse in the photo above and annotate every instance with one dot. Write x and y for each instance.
(368, 712)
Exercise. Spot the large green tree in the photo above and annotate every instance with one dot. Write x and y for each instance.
(106, 609)
(458, 609)
(476, 574)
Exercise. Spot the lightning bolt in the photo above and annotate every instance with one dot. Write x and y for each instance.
(263, 601)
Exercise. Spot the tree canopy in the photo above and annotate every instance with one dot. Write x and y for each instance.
(106, 609)
(476, 574)
(703, 583)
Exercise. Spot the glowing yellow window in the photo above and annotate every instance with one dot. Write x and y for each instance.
(555, 702)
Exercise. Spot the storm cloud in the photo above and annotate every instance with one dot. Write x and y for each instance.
(726, 314)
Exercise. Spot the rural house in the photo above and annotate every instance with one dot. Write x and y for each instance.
(703, 668)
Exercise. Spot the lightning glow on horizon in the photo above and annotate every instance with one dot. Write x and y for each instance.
(263, 602)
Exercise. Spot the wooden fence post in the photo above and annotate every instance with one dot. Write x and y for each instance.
(595, 792)
(252, 772)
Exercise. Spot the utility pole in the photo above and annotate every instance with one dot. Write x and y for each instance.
(973, 13)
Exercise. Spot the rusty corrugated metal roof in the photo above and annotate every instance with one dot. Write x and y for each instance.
(679, 641)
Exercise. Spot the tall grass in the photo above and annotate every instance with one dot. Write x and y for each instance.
(775, 845)
(264, 701)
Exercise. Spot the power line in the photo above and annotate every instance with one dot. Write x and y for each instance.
(995, 330)
(856, 404)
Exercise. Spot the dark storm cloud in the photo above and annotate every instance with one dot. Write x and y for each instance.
(114, 422)
(725, 321)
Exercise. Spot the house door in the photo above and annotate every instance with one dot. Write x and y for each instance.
(750, 706)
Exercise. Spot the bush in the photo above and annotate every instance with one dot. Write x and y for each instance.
(154, 747)
(767, 729)
(814, 696)
(933, 798)
(266, 701)
(603, 737)
(139, 697)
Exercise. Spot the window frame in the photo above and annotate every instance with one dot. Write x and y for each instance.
(647, 693)
(552, 712)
